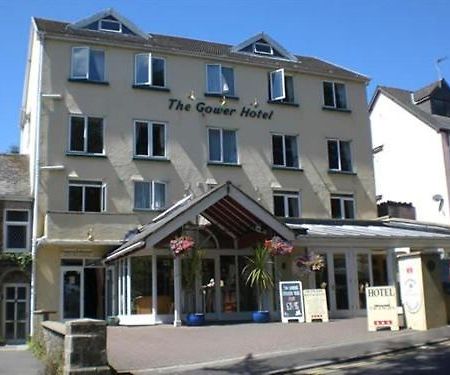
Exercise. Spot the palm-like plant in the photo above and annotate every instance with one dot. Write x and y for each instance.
(257, 274)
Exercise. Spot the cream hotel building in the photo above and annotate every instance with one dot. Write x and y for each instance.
(137, 138)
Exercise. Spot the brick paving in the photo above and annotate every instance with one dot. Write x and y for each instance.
(166, 349)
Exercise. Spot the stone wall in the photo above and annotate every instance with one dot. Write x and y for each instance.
(81, 345)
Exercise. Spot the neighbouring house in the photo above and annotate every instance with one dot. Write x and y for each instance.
(136, 139)
(15, 244)
(410, 137)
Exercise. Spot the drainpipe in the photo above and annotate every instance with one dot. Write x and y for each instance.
(34, 239)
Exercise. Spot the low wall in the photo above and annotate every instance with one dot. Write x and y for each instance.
(79, 344)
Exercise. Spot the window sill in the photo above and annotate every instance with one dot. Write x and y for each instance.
(219, 164)
(215, 95)
(151, 88)
(15, 251)
(149, 210)
(85, 155)
(345, 110)
(280, 167)
(279, 102)
(334, 171)
(144, 158)
(81, 80)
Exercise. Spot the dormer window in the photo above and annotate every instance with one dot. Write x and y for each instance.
(110, 25)
(263, 48)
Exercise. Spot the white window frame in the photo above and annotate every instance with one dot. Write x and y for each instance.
(86, 77)
(85, 135)
(221, 146)
(283, 84)
(150, 70)
(333, 85)
(152, 195)
(100, 22)
(342, 199)
(286, 195)
(339, 155)
(221, 92)
(26, 224)
(255, 49)
(150, 139)
(91, 183)
(284, 150)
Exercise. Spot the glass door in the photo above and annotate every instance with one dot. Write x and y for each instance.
(363, 267)
(72, 287)
(340, 283)
(15, 312)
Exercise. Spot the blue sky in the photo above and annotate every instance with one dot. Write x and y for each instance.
(395, 42)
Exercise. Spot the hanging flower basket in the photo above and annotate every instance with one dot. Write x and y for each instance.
(181, 245)
(310, 263)
(277, 246)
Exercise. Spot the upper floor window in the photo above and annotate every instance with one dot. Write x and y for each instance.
(16, 230)
(285, 150)
(222, 146)
(339, 156)
(149, 70)
(263, 48)
(150, 139)
(220, 79)
(110, 25)
(281, 86)
(88, 64)
(87, 196)
(149, 195)
(286, 204)
(86, 135)
(334, 95)
(342, 207)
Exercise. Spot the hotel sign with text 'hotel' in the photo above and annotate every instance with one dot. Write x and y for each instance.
(203, 108)
(381, 308)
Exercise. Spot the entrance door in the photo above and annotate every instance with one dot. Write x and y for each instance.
(349, 272)
(15, 312)
(72, 287)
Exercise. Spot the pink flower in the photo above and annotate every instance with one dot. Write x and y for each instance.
(277, 246)
(181, 245)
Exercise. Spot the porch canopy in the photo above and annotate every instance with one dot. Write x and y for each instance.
(383, 232)
(226, 207)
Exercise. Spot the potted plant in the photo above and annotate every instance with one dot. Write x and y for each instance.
(191, 269)
(185, 246)
(258, 275)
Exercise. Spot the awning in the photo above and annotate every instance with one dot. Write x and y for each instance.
(227, 207)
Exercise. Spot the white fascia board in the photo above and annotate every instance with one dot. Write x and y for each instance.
(269, 40)
(109, 12)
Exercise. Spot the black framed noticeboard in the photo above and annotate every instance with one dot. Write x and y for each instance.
(291, 301)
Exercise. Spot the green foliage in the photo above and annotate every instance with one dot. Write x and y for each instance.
(53, 362)
(2, 341)
(22, 260)
(192, 267)
(256, 271)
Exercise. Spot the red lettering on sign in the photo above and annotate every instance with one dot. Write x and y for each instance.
(409, 270)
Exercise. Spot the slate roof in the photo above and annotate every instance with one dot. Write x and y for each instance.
(405, 98)
(174, 44)
(426, 91)
(14, 176)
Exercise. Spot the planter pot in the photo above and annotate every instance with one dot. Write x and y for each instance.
(195, 319)
(112, 321)
(261, 316)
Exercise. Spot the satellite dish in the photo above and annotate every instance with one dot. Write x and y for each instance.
(440, 199)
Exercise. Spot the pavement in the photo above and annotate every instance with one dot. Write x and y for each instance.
(249, 348)
(18, 360)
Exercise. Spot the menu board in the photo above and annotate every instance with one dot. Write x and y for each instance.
(315, 305)
(291, 300)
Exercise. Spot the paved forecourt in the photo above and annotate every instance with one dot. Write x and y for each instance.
(261, 348)
(17, 359)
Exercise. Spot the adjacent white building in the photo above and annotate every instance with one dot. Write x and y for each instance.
(410, 136)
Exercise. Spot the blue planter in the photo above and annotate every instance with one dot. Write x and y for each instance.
(261, 316)
(195, 319)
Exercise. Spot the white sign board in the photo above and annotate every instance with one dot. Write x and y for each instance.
(291, 301)
(382, 308)
(315, 305)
